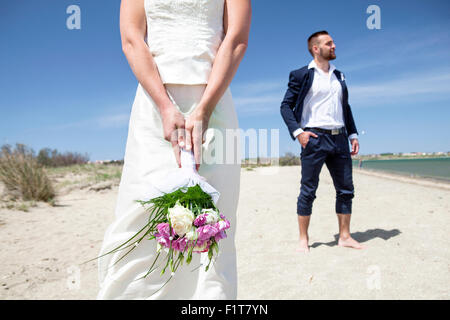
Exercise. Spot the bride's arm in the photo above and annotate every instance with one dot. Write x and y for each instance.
(236, 23)
(133, 28)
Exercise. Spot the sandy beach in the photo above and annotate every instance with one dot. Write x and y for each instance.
(402, 222)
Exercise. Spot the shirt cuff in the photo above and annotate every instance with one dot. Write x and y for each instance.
(297, 132)
(353, 136)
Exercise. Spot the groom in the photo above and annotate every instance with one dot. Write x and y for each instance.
(316, 111)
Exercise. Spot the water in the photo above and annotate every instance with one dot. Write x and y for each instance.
(438, 168)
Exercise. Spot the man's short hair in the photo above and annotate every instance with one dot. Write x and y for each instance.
(312, 38)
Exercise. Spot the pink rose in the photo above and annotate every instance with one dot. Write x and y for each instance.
(179, 244)
(200, 220)
(207, 231)
(220, 235)
(165, 242)
(222, 225)
(163, 230)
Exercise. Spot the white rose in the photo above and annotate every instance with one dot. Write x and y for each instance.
(212, 217)
(181, 219)
(192, 234)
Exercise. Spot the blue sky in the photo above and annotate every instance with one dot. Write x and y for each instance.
(73, 90)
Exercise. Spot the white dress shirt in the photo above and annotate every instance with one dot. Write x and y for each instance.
(322, 107)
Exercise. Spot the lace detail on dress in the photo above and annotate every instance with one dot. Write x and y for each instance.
(183, 37)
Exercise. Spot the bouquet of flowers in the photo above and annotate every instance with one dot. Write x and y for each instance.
(183, 220)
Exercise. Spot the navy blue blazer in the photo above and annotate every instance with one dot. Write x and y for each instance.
(300, 81)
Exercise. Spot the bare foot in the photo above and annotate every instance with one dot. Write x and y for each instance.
(350, 242)
(303, 247)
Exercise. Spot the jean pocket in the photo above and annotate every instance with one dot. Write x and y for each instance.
(310, 144)
(344, 144)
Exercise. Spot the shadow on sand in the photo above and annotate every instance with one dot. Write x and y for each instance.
(362, 236)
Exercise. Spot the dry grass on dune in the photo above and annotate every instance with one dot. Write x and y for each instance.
(94, 177)
(26, 179)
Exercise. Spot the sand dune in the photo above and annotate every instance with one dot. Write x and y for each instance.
(402, 222)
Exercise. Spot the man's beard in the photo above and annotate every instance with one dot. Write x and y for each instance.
(327, 55)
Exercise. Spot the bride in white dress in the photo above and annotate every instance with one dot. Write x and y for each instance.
(184, 53)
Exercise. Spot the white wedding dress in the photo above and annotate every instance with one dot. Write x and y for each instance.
(183, 37)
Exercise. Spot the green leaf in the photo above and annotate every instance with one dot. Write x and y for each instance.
(210, 253)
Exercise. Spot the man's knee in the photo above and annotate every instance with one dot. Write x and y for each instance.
(345, 195)
(344, 201)
(304, 204)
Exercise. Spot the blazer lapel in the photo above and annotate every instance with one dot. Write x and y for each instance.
(341, 79)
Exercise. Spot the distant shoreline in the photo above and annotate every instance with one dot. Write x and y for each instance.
(404, 177)
(432, 168)
(394, 157)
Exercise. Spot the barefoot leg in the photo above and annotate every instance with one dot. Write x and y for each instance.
(303, 224)
(345, 240)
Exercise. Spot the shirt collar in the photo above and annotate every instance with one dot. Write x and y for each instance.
(313, 64)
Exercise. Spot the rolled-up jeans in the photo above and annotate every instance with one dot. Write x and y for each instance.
(334, 151)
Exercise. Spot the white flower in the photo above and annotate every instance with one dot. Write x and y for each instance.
(181, 219)
(212, 216)
(192, 234)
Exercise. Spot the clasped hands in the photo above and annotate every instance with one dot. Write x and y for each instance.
(184, 132)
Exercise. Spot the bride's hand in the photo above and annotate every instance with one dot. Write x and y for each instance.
(196, 125)
(173, 125)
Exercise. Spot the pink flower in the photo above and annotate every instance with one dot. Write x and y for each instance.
(200, 220)
(220, 235)
(222, 225)
(179, 244)
(165, 242)
(207, 231)
(163, 230)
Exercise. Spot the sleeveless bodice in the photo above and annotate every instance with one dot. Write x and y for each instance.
(183, 37)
